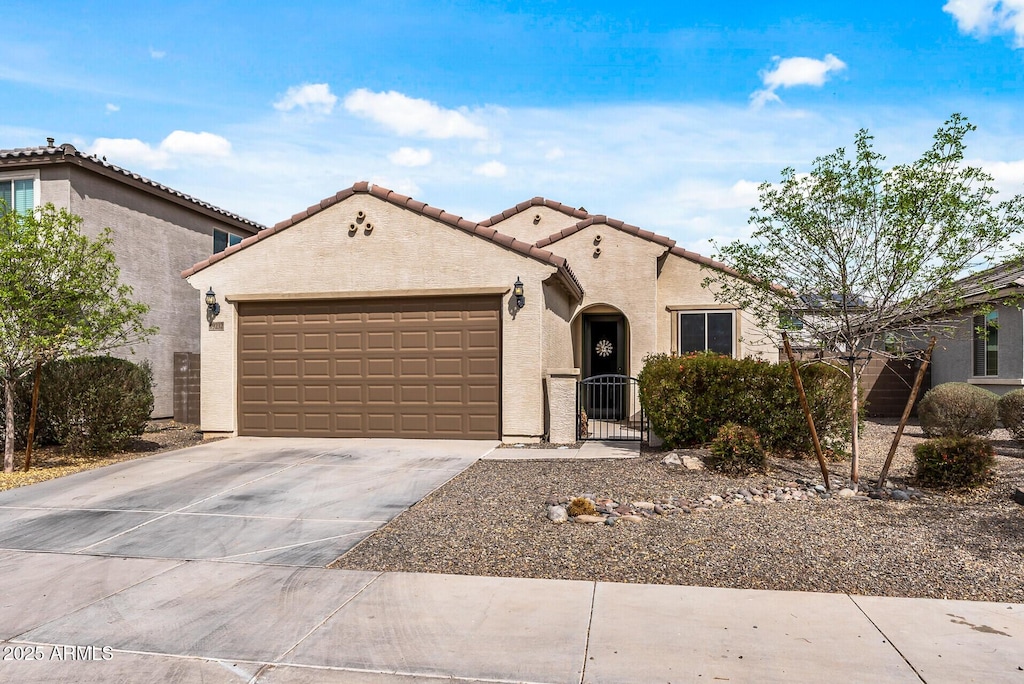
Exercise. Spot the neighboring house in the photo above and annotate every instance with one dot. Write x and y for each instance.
(156, 232)
(371, 314)
(986, 350)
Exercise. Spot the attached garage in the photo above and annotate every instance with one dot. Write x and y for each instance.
(372, 315)
(412, 367)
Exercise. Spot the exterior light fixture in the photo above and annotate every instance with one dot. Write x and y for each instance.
(212, 307)
(517, 292)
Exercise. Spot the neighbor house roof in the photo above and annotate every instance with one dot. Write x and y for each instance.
(28, 157)
(465, 225)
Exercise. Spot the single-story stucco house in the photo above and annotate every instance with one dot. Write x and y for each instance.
(372, 314)
(156, 232)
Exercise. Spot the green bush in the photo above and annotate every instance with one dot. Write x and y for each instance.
(94, 404)
(688, 398)
(1011, 413)
(736, 450)
(956, 409)
(954, 462)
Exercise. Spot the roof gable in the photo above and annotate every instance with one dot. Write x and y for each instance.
(528, 250)
(27, 157)
(573, 212)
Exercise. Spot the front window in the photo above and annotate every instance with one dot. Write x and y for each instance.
(17, 194)
(986, 344)
(223, 240)
(712, 331)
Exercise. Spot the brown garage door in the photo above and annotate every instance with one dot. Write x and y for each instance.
(412, 367)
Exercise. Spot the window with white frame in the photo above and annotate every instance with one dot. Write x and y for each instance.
(713, 331)
(986, 344)
(222, 240)
(17, 194)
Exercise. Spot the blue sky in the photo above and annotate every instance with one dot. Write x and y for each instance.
(665, 115)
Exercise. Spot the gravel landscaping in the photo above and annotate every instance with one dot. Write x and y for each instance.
(493, 520)
(53, 462)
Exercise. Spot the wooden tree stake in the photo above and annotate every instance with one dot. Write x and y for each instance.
(906, 412)
(807, 409)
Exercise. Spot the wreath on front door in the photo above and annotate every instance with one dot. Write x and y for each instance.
(604, 348)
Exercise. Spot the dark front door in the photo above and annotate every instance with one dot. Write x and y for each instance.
(604, 353)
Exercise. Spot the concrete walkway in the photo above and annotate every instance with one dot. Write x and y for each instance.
(101, 619)
(587, 450)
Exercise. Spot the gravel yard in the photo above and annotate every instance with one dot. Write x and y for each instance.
(52, 462)
(491, 520)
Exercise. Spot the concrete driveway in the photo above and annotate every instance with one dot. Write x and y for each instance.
(297, 502)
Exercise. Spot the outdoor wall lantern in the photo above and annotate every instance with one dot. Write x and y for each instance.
(517, 291)
(212, 307)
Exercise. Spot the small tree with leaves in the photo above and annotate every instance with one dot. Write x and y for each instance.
(60, 296)
(858, 256)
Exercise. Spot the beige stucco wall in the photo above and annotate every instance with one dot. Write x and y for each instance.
(679, 285)
(404, 253)
(522, 226)
(623, 278)
(153, 240)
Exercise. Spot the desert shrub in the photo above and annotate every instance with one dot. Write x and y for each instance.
(688, 398)
(1011, 413)
(581, 506)
(94, 404)
(736, 450)
(956, 409)
(954, 462)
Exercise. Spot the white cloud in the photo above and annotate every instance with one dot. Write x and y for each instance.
(554, 153)
(408, 116)
(157, 54)
(491, 169)
(795, 71)
(111, 108)
(984, 17)
(1008, 176)
(199, 144)
(409, 156)
(132, 151)
(315, 98)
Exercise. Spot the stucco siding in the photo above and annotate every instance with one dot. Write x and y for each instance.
(153, 240)
(953, 358)
(680, 284)
(393, 251)
(622, 277)
(525, 225)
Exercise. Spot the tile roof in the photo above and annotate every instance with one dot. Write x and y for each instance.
(465, 225)
(668, 243)
(67, 153)
(580, 213)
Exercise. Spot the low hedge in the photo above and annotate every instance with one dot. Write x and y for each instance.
(1011, 413)
(954, 462)
(688, 398)
(95, 404)
(736, 450)
(957, 409)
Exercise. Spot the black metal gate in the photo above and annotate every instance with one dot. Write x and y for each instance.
(608, 408)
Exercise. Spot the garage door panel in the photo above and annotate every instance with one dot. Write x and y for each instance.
(414, 368)
(349, 394)
(413, 394)
(348, 368)
(371, 368)
(452, 368)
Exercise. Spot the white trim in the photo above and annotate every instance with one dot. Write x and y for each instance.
(26, 174)
(994, 380)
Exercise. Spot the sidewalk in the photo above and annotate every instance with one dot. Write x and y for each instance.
(162, 620)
